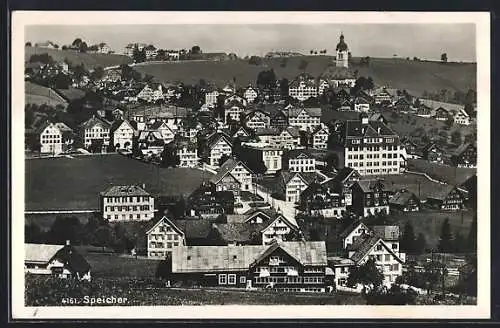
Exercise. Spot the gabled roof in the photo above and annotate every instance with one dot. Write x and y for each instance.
(215, 137)
(366, 244)
(195, 228)
(307, 253)
(344, 173)
(153, 223)
(386, 232)
(143, 135)
(313, 112)
(354, 128)
(402, 197)
(351, 227)
(440, 193)
(226, 169)
(293, 130)
(237, 232)
(118, 191)
(44, 253)
(338, 73)
(117, 123)
(267, 132)
(94, 120)
(433, 104)
(368, 185)
(40, 253)
(157, 124)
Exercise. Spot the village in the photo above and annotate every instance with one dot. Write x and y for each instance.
(318, 185)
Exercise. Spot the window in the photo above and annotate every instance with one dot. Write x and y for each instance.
(379, 257)
(231, 279)
(395, 267)
(222, 279)
(387, 257)
(379, 247)
(394, 246)
(243, 280)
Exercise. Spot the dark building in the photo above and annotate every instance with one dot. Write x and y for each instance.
(404, 200)
(465, 156)
(446, 198)
(369, 197)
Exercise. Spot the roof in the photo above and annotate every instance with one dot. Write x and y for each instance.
(343, 174)
(271, 213)
(365, 243)
(369, 184)
(91, 122)
(386, 232)
(151, 224)
(131, 190)
(338, 73)
(227, 167)
(195, 228)
(305, 252)
(401, 197)
(433, 104)
(351, 227)
(117, 123)
(441, 192)
(214, 138)
(293, 130)
(314, 112)
(354, 128)
(41, 253)
(157, 124)
(238, 232)
(266, 131)
(336, 260)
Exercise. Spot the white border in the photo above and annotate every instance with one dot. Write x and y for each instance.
(22, 18)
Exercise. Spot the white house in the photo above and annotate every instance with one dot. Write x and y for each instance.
(218, 146)
(320, 137)
(295, 183)
(122, 134)
(151, 92)
(461, 117)
(95, 129)
(360, 104)
(103, 48)
(151, 52)
(238, 170)
(301, 162)
(250, 94)
(303, 87)
(126, 203)
(305, 118)
(162, 237)
(51, 138)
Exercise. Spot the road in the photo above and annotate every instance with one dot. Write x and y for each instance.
(287, 209)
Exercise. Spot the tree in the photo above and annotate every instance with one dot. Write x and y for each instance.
(456, 137)
(445, 244)
(56, 46)
(27, 44)
(104, 236)
(97, 74)
(311, 51)
(434, 271)
(266, 79)
(33, 234)
(223, 159)
(195, 50)
(65, 228)
(472, 236)
(303, 64)
(332, 161)
(64, 47)
(77, 42)
(83, 47)
(420, 244)
(169, 157)
(139, 56)
(284, 87)
(366, 274)
(408, 239)
(255, 60)
(444, 57)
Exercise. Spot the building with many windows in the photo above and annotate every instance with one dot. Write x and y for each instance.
(371, 147)
(162, 237)
(303, 87)
(126, 203)
(122, 134)
(304, 118)
(369, 197)
(95, 129)
(299, 161)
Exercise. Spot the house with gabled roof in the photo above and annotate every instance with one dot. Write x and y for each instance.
(352, 231)
(292, 184)
(405, 201)
(162, 237)
(322, 199)
(320, 136)
(95, 129)
(382, 97)
(369, 197)
(361, 104)
(304, 118)
(234, 107)
(286, 266)
(303, 87)
(301, 161)
(402, 105)
(122, 134)
(62, 261)
(250, 94)
(465, 156)
(343, 182)
(126, 203)
(218, 144)
(150, 142)
(257, 119)
(433, 153)
(238, 169)
(166, 131)
(446, 197)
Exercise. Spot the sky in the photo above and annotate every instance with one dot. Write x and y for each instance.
(426, 41)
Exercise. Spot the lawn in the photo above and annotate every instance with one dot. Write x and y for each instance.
(75, 183)
(415, 77)
(112, 265)
(445, 173)
(45, 221)
(71, 93)
(429, 223)
(417, 184)
(76, 58)
(39, 95)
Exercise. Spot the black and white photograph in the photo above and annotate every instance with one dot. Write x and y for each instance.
(250, 164)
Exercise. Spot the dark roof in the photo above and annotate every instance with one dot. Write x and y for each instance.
(195, 228)
(304, 252)
(386, 232)
(369, 184)
(238, 232)
(73, 259)
(440, 193)
(402, 197)
(118, 191)
(214, 138)
(226, 168)
(343, 174)
(350, 228)
(355, 129)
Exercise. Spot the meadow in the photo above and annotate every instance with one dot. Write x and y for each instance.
(415, 77)
(40, 95)
(75, 183)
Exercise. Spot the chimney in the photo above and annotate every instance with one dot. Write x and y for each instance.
(143, 186)
(68, 242)
(378, 130)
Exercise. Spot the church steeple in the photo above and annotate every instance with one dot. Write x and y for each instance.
(342, 53)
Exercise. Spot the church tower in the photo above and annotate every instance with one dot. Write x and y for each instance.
(342, 59)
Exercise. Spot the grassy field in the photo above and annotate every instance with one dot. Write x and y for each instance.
(417, 184)
(415, 77)
(111, 265)
(71, 93)
(74, 183)
(88, 60)
(429, 223)
(39, 95)
(445, 173)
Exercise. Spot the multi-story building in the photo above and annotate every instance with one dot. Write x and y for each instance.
(103, 48)
(257, 119)
(211, 96)
(371, 147)
(270, 156)
(432, 153)
(51, 138)
(320, 136)
(369, 197)
(299, 161)
(165, 131)
(343, 182)
(286, 266)
(461, 117)
(465, 156)
(446, 198)
(129, 49)
(187, 152)
(126, 203)
(303, 87)
(322, 199)
(218, 145)
(250, 94)
(322, 86)
(404, 200)
(162, 237)
(151, 52)
(361, 105)
(292, 184)
(95, 129)
(233, 109)
(151, 92)
(122, 134)
(305, 118)
(289, 138)
(237, 169)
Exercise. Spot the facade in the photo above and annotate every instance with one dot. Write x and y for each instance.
(257, 119)
(51, 138)
(465, 156)
(461, 117)
(441, 114)
(301, 162)
(151, 52)
(250, 94)
(233, 109)
(238, 170)
(150, 142)
(447, 198)
(404, 200)
(211, 97)
(371, 148)
(289, 138)
(343, 182)
(165, 131)
(162, 237)
(303, 87)
(305, 118)
(341, 269)
(361, 105)
(402, 105)
(322, 199)
(103, 48)
(95, 129)
(295, 184)
(219, 145)
(122, 134)
(381, 96)
(126, 203)
(369, 197)
(269, 155)
(187, 152)
(433, 153)
(62, 261)
(287, 266)
(320, 137)
(342, 59)
(353, 231)
(151, 93)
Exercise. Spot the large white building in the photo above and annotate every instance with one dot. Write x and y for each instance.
(126, 203)
(250, 94)
(238, 170)
(51, 138)
(301, 162)
(303, 87)
(371, 147)
(162, 237)
(122, 133)
(95, 129)
(218, 146)
(304, 118)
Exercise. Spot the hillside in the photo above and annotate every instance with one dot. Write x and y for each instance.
(89, 60)
(37, 94)
(415, 77)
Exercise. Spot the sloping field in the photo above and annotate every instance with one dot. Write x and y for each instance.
(71, 93)
(39, 95)
(415, 77)
(76, 58)
(75, 183)
(449, 174)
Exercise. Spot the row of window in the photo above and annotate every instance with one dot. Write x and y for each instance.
(129, 208)
(162, 245)
(130, 216)
(161, 237)
(51, 136)
(124, 199)
(230, 279)
(301, 161)
(378, 171)
(369, 156)
(50, 141)
(371, 148)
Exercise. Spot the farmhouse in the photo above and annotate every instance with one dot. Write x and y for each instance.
(369, 197)
(150, 142)
(238, 170)
(461, 117)
(233, 108)
(320, 136)
(187, 152)
(301, 161)
(303, 87)
(432, 153)
(381, 96)
(341, 269)
(164, 130)
(122, 134)
(287, 266)
(361, 105)
(218, 145)
(465, 156)
(50, 137)
(151, 92)
(402, 105)
(211, 96)
(151, 52)
(343, 182)
(250, 94)
(322, 199)
(95, 130)
(126, 203)
(404, 200)
(446, 198)
(257, 119)
(292, 184)
(208, 202)
(163, 236)
(62, 261)
(306, 119)
(355, 229)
